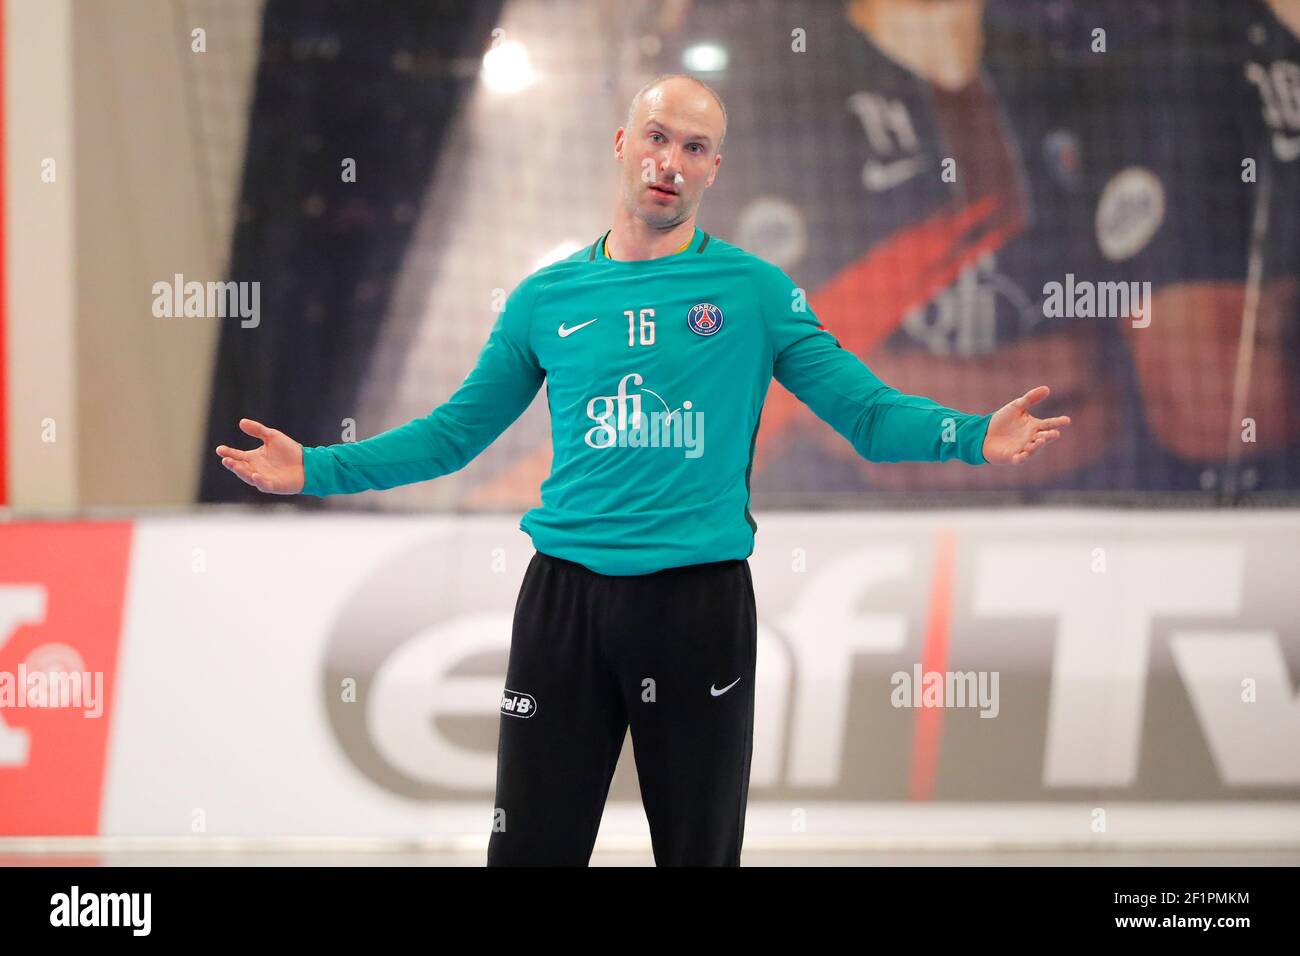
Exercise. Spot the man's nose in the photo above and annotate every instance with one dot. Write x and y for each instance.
(672, 160)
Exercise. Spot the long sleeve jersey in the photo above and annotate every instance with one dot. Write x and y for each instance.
(656, 371)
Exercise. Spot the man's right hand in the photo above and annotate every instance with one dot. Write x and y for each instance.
(275, 468)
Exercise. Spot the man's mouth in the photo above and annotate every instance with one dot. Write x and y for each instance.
(663, 190)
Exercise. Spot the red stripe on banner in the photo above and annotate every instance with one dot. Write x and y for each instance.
(934, 659)
(62, 592)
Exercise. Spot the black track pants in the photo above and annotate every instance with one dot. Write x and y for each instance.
(671, 654)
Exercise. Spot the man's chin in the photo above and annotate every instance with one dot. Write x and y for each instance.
(662, 217)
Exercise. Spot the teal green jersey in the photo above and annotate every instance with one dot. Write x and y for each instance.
(655, 374)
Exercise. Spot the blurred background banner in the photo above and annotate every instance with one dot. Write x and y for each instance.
(1116, 219)
(977, 196)
(1143, 664)
(308, 212)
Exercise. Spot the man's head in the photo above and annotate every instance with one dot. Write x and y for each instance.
(670, 148)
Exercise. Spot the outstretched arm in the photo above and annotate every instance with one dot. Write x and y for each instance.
(882, 423)
(497, 391)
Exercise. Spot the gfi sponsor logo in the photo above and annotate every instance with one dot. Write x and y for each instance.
(975, 314)
(515, 704)
(623, 420)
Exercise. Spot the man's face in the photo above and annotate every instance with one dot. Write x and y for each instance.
(676, 129)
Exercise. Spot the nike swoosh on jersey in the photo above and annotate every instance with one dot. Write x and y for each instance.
(718, 693)
(879, 177)
(565, 333)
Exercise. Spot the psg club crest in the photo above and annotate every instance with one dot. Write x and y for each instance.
(704, 319)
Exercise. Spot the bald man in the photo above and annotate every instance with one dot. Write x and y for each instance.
(637, 609)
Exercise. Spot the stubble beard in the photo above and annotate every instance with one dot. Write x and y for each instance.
(662, 219)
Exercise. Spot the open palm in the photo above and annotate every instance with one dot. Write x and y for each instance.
(1014, 434)
(274, 468)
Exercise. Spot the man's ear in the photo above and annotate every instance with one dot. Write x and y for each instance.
(713, 174)
(619, 139)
